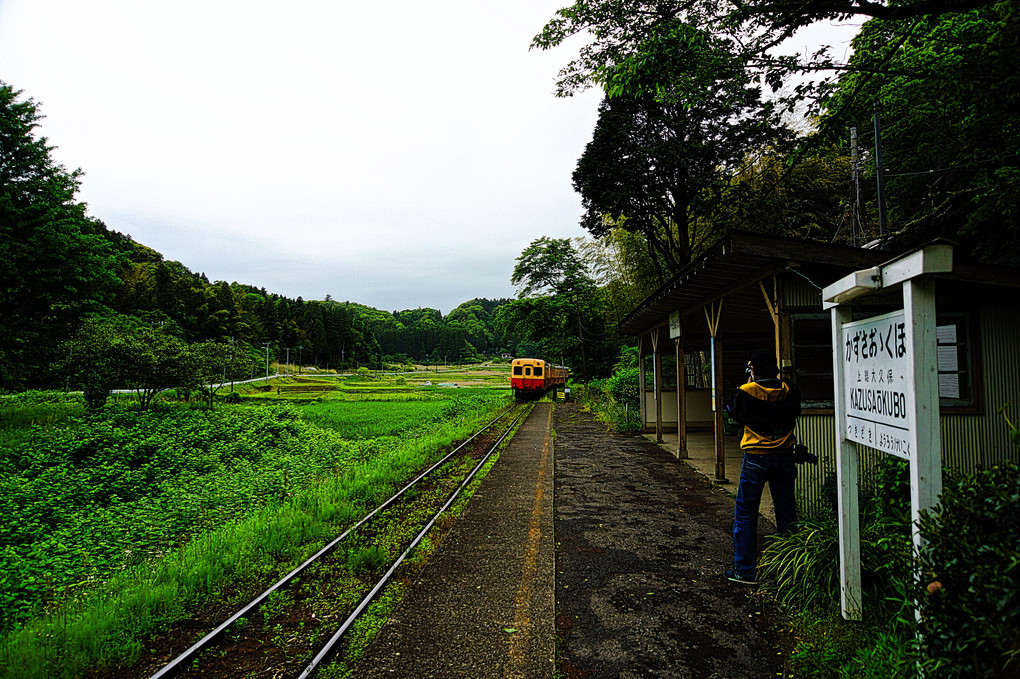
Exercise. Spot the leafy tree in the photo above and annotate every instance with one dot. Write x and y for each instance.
(56, 264)
(558, 301)
(538, 328)
(120, 353)
(217, 363)
(948, 91)
(96, 358)
(157, 361)
(807, 196)
(658, 162)
(550, 266)
(627, 35)
(622, 269)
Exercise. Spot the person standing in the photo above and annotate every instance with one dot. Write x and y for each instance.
(768, 408)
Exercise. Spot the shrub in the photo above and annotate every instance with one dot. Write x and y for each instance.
(968, 594)
(623, 387)
(802, 568)
(615, 400)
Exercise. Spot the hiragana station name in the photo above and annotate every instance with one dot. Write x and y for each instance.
(875, 366)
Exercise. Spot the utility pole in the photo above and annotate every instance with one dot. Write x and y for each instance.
(855, 211)
(879, 173)
(266, 347)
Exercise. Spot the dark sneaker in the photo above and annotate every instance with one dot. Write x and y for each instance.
(733, 576)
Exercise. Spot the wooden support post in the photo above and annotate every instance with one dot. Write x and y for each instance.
(641, 382)
(717, 390)
(773, 306)
(681, 403)
(717, 406)
(657, 376)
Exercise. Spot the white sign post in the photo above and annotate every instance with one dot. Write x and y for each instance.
(885, 372)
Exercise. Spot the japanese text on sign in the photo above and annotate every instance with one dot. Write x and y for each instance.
(875, 364)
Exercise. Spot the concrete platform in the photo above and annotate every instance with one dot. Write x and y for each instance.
(701, 456)
(484, 605)
(643, 542)
(630, 585)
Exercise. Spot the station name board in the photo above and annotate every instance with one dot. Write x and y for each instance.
(876, 362)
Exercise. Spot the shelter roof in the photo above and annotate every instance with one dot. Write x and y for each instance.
(733, 267)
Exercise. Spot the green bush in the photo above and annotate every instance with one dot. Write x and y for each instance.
(968, 594)
(615, 400)
(623, 387)
(801, 569)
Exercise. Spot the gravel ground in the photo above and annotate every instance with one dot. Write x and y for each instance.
(643, 541)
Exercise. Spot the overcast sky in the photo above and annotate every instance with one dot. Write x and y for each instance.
(397, 154)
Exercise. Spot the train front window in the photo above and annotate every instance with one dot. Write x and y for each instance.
(527, 371)
(518, 370)
(538, 371)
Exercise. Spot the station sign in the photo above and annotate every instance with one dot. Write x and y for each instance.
(876, 369)
(886, 395)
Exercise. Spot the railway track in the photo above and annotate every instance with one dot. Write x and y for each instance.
(298, 624)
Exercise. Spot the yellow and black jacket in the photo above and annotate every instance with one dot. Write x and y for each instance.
(768, 409)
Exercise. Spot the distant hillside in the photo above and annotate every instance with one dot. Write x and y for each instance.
(426, 336)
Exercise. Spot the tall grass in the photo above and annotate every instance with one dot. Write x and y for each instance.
(37, 408)
(801, 571)
(621, 415)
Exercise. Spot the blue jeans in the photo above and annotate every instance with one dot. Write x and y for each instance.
(780, 472)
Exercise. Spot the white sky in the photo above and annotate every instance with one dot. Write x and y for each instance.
(397, 154)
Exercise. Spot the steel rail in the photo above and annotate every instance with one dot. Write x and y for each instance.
(176, 665)
(328, 648)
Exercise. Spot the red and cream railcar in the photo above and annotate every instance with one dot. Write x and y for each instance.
(533, 377)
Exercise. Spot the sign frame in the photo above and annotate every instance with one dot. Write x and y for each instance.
(913, 272)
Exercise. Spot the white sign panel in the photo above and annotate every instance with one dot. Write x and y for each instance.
(675, 327)
(876, 364)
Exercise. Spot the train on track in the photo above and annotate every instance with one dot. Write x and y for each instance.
(531, 378)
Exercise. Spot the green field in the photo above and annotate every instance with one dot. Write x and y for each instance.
(116, 523)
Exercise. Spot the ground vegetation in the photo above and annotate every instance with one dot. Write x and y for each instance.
(962, 584)
(121, 522)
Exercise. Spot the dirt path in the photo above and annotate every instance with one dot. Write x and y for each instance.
(643, 541)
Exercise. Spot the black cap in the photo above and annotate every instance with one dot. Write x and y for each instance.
(764, 363)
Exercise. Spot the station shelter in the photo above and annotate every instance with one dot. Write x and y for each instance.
(749, 291)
